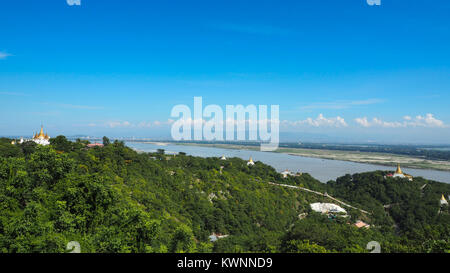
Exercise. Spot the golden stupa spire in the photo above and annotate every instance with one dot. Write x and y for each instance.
(443, 198)
(251, 160)
(41, 133)
(399, 170)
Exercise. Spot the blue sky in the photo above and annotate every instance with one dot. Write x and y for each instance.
(341, 69)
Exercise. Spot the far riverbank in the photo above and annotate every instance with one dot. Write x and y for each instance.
(382, 159)
(321, 169)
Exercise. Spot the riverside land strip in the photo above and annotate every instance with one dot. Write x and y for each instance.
(412, 158)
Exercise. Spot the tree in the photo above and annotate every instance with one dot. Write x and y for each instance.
(9, 150)
(118, 200)
(60, 143)
(182, 240)
(304, 246)
(106, 141)
(28, 147)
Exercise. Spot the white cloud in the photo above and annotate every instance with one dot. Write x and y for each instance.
(387, 124)
(148, 124)
(419, 121)
(144, 124)
(428, 121)
(118, 124)
(363, 122)
(188, 121)
(4, 55)
(128, 124)
(320, 121)
(73, 2)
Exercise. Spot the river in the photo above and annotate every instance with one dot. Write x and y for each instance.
(321, 169)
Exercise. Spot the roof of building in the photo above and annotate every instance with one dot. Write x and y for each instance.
(360, 224)
(327, 208)
(41, 134)
(95, 145)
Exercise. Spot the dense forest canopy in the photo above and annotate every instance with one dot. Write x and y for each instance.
(114, 199)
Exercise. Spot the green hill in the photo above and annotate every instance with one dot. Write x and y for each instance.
(113, 199)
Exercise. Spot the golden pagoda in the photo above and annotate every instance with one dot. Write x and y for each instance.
(399, 173)
(41, 134)
(443, 201)
(250, 162)
(41, 138)
(286, 173)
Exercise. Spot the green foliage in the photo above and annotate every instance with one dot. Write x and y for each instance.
(106, 141)
(113, 199)
(304, 246)
(60, 143)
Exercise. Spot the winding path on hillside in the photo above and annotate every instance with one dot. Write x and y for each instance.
(319, 193)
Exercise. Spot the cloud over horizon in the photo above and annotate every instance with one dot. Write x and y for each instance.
(419, 121)
(426, 121)
(320, 121)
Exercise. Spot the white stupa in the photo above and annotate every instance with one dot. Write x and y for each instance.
(250, 162)
(286, 173)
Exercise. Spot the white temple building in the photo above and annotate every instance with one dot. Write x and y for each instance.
(17, 142)
(327, 208)
(41, 138)
(286, 173)
(223, 157)
(250, 162)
